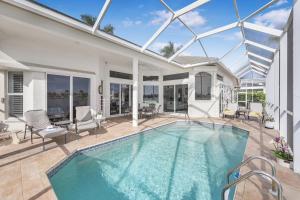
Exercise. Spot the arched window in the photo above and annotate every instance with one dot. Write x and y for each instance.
(203, 86)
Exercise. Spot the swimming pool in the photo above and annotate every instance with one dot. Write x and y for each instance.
(181, 160)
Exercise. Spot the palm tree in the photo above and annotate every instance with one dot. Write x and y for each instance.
(168, 50)
(88, 19)
(109, 29)
(91, 20)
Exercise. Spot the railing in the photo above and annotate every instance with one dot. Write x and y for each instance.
(250, 174)
(243, 163)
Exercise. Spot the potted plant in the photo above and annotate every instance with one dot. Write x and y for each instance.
(269, 122)
(282, 152)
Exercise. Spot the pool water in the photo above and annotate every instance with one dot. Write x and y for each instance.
(181, 160)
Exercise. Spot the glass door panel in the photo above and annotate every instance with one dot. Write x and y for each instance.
(114, 99)
(125, 98)
(181, 100)
(81, 93)
(169, 98)
(58, 97)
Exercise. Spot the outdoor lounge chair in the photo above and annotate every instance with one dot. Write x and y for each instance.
(230, 110)
(256, 111)
(38, 123)
(84, 120)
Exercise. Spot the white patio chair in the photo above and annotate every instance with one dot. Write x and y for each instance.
(85, 120)
(38, 123)
(230, 110)
(256, 111)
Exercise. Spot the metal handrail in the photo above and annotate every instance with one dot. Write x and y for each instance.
(244, 162)
(250, 159)
(250, 174)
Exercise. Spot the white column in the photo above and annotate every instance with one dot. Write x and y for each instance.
(296, 96)
(135, 93)
(2, 95)
(283, 86)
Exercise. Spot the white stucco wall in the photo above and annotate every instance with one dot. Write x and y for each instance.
(296, 71)
(2, 95)
(204, 108)
(283, 86)
(276, 63)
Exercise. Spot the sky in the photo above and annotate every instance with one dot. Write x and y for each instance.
(137, 20)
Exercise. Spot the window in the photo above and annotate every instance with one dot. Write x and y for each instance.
(150, 78)
(15, 93)
(122, 75)
(150, 93)
(203, 86)
(176, 76)
(58, 97)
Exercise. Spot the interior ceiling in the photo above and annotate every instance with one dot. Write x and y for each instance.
(259, 42)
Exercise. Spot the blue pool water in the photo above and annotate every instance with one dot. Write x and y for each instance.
(182, 160)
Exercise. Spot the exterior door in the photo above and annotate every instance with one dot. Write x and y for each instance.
(181, 100)
(169, 98)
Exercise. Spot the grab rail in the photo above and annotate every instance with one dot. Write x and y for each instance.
(250, 174)
(243, 163)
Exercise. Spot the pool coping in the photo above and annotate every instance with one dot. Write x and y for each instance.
(60, 164)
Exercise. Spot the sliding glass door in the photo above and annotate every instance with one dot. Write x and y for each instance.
(59, 96)
(81, 93)
(169, 98)
(176, 98)
(120, 98)
(114, 99)
(181, 100)
(125, 98)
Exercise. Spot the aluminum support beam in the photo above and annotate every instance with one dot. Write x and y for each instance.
(260, 46)
(259, 64)
(101, 15)
(174, 16)
(263, 29)
(260, 57)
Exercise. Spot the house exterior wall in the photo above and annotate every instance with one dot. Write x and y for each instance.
(296, 96)
(283, 86)
(2, 95)
(47, 47)
(270, 91)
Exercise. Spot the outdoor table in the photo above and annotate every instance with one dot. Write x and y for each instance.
(242, 111)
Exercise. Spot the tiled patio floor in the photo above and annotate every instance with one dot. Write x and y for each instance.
(23, 166)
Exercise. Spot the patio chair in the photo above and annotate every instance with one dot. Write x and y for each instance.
(230, 110)
(148, 111)
(84, 120)
(256, 111)
(157, 110)
(38, 123)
